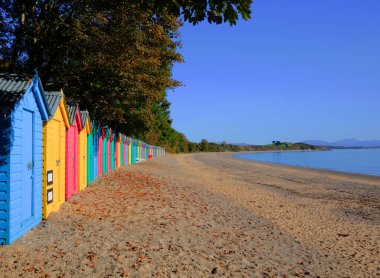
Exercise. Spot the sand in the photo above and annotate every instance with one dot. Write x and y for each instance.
(208, 215)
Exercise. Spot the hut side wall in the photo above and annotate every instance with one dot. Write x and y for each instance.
(95, 142)
(130, 153)
(112, 153)
(90, 157)
(100, 156)
(72, 160)
(82, 159)
(5, 145)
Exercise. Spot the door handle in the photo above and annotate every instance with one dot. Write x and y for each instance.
(30, 165)
(58, 162)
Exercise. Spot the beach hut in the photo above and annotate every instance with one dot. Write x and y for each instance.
(129, 142)
(72, 150)
(90, 157)
(133, 151)
(112, 151)
(142, 150)
(54, 154)
(101, 151)
(83, 150)
(138, 150)
(106, 150)
(96, 135)
(91, 153)
(121, 150)
(23, 107)
(125, 150)
(150, 152)
(117, 150)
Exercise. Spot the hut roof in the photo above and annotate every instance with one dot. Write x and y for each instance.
(72, 110)
(53, 99)
(84, 116)
(12, 89)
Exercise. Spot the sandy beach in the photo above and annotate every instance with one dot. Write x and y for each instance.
(208, 215)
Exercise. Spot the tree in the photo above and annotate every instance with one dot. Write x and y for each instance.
(203, 147)
(195, 11)
(113, 57)
(276, 143)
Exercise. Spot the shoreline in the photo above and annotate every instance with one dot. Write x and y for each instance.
(322, 170)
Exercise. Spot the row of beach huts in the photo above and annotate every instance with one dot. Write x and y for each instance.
(49, 151)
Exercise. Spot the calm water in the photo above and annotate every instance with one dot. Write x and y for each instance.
(365, 161)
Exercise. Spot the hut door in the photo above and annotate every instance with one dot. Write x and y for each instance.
(56, 162)
(75, 159)
(27, 165)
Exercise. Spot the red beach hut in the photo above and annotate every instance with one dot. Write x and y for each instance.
(72, 150)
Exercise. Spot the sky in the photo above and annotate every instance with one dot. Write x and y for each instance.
(298, 70)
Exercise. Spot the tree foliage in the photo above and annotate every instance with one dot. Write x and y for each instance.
(205, 146)
(114, 58)
(214, 11)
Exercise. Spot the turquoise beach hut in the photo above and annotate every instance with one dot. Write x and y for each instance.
(90, 153)
(105, 150)
(112, 150)
(96, 136)
(134, 150)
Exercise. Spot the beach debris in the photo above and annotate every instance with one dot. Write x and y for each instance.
(213, 271)
(342, 235)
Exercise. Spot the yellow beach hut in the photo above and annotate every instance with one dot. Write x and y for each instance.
(54, 154)
(129, 150)
(83, 150)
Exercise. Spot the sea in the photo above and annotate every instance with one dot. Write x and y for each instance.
(358, 161)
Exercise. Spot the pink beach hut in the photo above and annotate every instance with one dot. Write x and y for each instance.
(100, 148)
(117, 150)
(109, 141)
(72, 150)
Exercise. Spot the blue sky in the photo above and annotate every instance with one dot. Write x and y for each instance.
(297, 70)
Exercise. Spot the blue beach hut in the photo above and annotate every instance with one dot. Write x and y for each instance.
(134, 151)
(23, 107)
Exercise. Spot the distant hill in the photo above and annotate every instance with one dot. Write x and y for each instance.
(346, 143)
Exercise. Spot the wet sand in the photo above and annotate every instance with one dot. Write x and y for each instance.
(208, 215)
